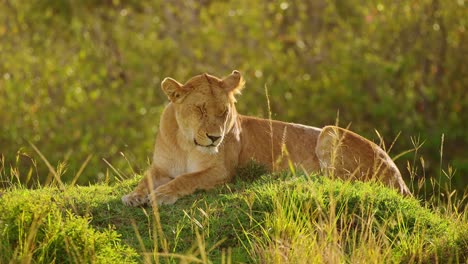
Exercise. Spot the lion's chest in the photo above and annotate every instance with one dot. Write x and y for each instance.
(182, 163)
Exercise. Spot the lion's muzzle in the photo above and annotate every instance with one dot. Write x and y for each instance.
(208, 141)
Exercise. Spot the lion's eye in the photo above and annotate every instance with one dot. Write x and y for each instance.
(201, 110)
(224, 113)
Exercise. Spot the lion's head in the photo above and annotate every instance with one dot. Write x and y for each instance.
(204, 108)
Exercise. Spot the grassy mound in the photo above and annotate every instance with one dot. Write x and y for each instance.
(276, 218)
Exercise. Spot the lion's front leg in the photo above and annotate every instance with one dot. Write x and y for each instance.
(154, 177)
(188, 183)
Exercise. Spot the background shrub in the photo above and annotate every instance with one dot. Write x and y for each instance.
(81, 79)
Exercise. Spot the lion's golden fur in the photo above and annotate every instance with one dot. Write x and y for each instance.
(202, 140)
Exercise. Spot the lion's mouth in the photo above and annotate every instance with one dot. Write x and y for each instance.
(206, 146)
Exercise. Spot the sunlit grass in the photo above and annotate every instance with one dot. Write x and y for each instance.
(259, 218)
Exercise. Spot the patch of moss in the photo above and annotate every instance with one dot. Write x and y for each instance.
(91, 223)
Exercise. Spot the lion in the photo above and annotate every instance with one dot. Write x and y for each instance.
(202, 139)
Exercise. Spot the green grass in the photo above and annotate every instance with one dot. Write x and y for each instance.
(279, 218)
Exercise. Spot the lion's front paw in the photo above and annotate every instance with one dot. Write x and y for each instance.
(164, 195)
(135, 199)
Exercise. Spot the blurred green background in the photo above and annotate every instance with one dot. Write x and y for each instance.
(81, 79)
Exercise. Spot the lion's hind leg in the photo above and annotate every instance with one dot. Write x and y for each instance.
(347, 155)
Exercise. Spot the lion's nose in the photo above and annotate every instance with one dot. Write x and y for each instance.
(213, 138)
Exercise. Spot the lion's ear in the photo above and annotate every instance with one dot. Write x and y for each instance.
(173, 89)
(234, 82)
